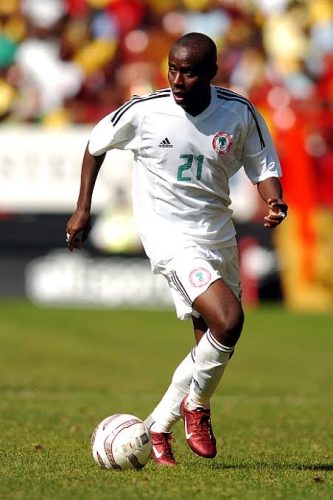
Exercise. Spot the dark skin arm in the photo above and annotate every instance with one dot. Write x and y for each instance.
(270, 191)
(79, 224)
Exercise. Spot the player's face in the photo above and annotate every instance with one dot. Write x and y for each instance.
(189, 76)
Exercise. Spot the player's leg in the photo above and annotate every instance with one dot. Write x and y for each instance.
(222, 313)
(222, 318)
(185, 285)
(199, 327)
(167, 412)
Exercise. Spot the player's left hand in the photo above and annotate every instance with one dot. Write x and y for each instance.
(277, 212)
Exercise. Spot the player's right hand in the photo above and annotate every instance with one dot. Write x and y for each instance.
(77, 229)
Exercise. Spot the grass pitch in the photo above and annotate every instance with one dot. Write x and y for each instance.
(62, 371)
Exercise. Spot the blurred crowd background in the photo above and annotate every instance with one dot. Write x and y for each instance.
(73, 61)
(67, 63)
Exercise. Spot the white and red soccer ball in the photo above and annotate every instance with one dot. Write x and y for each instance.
(121, 442)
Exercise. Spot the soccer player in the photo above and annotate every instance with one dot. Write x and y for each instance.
(187, 141)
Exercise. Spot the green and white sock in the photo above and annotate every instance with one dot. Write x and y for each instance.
(211, 360)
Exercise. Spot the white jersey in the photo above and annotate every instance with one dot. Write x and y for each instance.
(183, 164)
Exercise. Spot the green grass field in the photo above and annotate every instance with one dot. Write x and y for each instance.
(62, 371)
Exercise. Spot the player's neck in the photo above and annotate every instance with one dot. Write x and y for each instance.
(200, 105)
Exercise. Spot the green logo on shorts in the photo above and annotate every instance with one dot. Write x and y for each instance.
(200, 277)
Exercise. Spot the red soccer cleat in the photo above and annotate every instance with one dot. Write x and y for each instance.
(198, 430)
(161, 450)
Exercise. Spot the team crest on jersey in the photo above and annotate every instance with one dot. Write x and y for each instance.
(222, 142)
(200, 277)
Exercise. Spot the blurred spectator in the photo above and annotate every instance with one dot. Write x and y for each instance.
(45, 79)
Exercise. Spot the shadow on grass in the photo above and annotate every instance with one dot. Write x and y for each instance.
(328, 467)
(268, 465)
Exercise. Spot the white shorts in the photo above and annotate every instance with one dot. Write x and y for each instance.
(191, 272)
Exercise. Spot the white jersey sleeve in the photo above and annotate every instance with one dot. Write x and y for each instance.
(259, 156)
(116, 130)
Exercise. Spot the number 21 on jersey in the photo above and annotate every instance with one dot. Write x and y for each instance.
(192, 163)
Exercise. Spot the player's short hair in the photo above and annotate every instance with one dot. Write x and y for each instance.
(201, 43)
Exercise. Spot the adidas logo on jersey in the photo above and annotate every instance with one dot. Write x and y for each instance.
(165, 144)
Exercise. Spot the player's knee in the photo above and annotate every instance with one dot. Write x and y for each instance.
(227, 327)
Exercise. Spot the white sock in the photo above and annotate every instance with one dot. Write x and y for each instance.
(167, 412)
(211, 359)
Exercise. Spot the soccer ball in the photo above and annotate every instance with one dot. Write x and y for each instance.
(121, 442)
